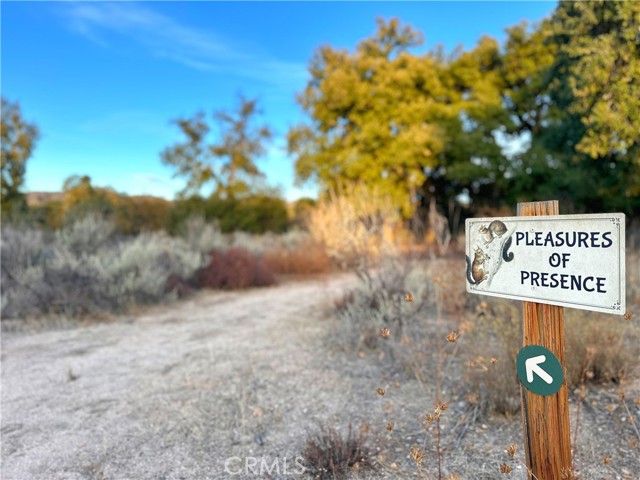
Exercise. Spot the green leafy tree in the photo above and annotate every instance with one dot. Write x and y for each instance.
(18, 141)
(564, 91)
(367, 115)
(597, 86)
(254, 213)
(406, 124)
(526, 72)
(572, 88)
(472, 160)
(81, 198)
(261, 213)
(182, 209)
(230, 163)
(135, 214)
(599, 46)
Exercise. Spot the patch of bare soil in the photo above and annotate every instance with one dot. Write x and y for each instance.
(230, 384)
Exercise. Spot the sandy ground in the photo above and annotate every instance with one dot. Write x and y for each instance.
(197, 389)
(170, 394)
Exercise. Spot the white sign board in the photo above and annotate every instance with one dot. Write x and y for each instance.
(572, 261)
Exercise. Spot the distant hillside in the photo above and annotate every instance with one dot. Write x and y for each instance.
(37, 199)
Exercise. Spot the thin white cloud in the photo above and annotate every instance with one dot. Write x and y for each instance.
(166, 38)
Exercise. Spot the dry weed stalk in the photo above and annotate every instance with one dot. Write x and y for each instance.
(440, 227)
(434, 418)
(631, 417)
(438, 282)
(417, 456)
(586, 363)
(511, 452)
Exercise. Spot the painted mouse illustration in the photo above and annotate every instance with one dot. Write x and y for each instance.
(497, 229)
(475, 271)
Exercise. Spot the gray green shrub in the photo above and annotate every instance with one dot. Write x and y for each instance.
(84, 268)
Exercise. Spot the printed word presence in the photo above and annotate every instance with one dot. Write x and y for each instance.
(567, 260)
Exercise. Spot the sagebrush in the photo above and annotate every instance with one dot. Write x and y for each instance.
(85, 268)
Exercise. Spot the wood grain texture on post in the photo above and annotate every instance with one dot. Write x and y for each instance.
(545, 418)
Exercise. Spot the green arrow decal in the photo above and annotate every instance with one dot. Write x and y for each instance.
(539, 370)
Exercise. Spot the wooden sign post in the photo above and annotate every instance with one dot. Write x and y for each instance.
(548, 261)
(545, 419)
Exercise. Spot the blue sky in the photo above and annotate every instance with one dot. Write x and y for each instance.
(103, 80)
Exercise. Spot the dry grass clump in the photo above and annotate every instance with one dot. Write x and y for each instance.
(603, 348)
(492, 341)
(308, 258)
(232, 269)
(633, 277)
(291, 253)
(455, 301)
(329, 455)
(600, 348)
(356, 226)
(418, 316)
(378, 303)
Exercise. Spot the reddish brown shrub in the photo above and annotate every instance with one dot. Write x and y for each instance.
(175, 283)
(234, 268)
(307, 259)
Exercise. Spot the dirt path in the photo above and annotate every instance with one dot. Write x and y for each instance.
(228, 385)
(173, 393)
